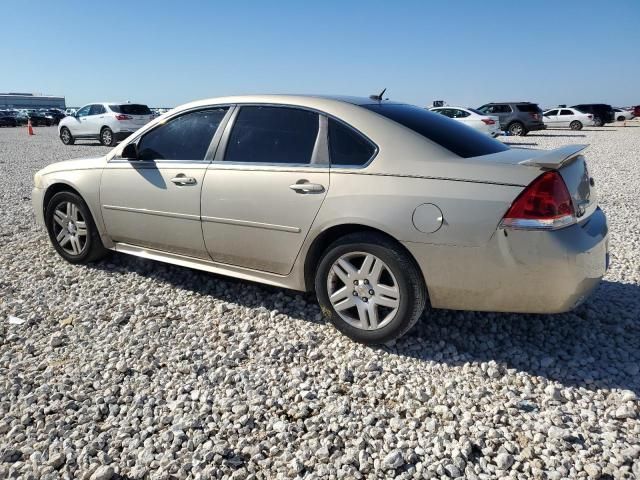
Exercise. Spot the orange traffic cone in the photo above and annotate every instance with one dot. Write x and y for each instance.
(29, 128)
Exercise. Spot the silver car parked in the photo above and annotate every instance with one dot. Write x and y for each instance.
(377, 206)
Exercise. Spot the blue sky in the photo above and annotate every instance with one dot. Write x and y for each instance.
(465, 52)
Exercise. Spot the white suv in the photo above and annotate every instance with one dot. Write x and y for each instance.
(107, 122)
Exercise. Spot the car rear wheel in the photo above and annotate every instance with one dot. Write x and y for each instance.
(621, 118)
(72, 230)
(107, 138)
(370, 289)
(597, 121)
(517, 129)
(66, 137)
(576, 125)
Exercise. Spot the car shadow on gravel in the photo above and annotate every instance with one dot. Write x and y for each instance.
(517, 144)
(595, 346)
(553, 136)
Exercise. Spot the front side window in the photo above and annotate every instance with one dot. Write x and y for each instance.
(186, 137)
(454, 136)
(551, 113)
(272, 135)
(348, 147)
(84, 111)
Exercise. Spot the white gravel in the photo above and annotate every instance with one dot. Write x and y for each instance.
(132, 369)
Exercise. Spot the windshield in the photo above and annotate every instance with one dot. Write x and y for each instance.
(131, 109)
(450, 134)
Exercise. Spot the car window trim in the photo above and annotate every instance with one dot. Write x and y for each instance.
(211, 149)
(319, 155)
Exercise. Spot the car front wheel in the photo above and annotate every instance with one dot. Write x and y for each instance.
(597, 121)
(66, 137)
(107, 138)
(72, 230)
(369, 288)
(576, 125)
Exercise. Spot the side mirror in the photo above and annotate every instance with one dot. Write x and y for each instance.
(130, 151)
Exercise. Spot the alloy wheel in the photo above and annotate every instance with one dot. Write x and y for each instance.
(363, 290)
(65, 136)
(70, 228)
(516, 129)
(106, 137)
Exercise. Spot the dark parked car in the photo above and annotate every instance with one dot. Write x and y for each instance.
(516, 118)
(57, 115)
(7, 120)
(39, 119)
(602, 113)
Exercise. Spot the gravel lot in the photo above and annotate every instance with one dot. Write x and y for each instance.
(132, 369)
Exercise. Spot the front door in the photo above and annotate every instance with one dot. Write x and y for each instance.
(263, 191)
(79, 124)
(154, 201)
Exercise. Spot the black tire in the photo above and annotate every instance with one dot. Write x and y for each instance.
(597, 121)
(576, 125)
(621, 118)
(517, 129)
(66, 137)
(92, 248)
(107, 138)
(406, 274)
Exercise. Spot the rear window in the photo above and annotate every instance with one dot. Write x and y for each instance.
(130, 109)
(450, 134)
(529, 107)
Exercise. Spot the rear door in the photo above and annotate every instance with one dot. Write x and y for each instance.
(265, 187)
(95, 120)
(565, 118)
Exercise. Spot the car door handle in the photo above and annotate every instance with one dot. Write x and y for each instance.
(181, 179)
(306, 187)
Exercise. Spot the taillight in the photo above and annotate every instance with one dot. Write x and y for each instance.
(544, 205)
(123, 117)
(590, 116)
(535, 116)
(488, 121)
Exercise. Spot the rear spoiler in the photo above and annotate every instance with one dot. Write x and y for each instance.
(555, 158)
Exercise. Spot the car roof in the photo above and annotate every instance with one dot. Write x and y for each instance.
(294, 99)
(501, 103)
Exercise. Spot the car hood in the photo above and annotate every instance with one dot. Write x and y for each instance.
(89, 163)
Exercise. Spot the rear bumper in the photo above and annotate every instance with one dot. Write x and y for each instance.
(535, 126)
(522, 271)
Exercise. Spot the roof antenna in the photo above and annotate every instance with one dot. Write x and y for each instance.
(378, 97)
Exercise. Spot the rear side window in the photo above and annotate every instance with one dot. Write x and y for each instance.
(348, 147)
(97, 109)
(566, 112)
(529, 107)
(130, 109)
(186, 137)
(454, 136)
(272, 135)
